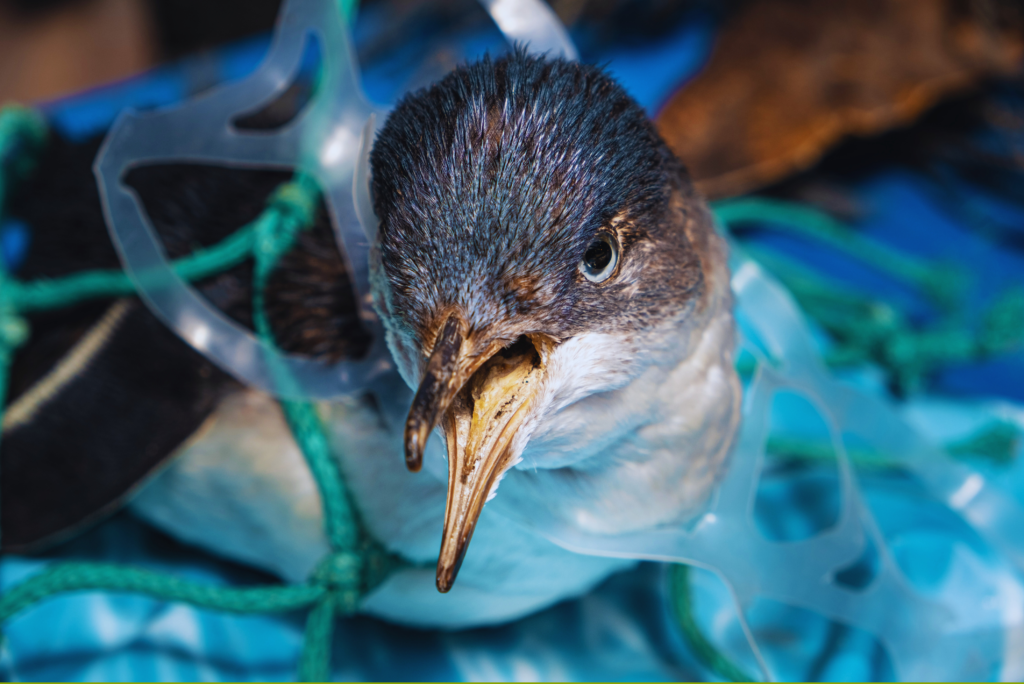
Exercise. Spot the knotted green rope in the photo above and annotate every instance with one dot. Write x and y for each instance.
(871, 330)
(295, 206)
(356, 563)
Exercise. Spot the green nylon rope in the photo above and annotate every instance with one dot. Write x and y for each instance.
(996, 442)
(101, 284)
(296, 204)
(941, 282)
(870, 330)
(356, 563)
(315, 660)
(64, 577)
(710, 657)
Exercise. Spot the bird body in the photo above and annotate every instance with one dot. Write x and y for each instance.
(550, 284)
(241, 489)
(502, 193)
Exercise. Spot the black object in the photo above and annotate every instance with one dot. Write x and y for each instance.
(130, 391)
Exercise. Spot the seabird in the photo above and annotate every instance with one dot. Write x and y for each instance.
(552, 288)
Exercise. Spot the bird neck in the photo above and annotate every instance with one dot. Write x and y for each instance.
(650, 452)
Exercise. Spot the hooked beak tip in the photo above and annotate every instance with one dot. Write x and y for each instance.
(446, 578)
(414, 446)
(448, 569)
(435, 393)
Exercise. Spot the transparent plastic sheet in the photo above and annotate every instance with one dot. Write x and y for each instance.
(329, 139)
(934, 636)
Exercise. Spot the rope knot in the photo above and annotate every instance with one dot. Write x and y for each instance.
(298, 199)
(291, 209)
(341, 574)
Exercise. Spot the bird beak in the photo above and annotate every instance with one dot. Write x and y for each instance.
(480, 401)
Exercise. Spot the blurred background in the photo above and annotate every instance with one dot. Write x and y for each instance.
(50, 48)
(785, 80)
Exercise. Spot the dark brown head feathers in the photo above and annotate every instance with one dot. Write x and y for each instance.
(491, 184)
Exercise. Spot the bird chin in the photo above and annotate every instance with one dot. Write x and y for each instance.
(484, 431)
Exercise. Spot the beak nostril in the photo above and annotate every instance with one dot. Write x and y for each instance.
(522, 346)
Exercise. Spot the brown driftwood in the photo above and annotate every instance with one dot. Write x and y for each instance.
(788, 79)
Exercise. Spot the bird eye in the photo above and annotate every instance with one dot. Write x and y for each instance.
(600, 259)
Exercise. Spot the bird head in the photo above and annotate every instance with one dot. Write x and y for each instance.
(538, 244)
